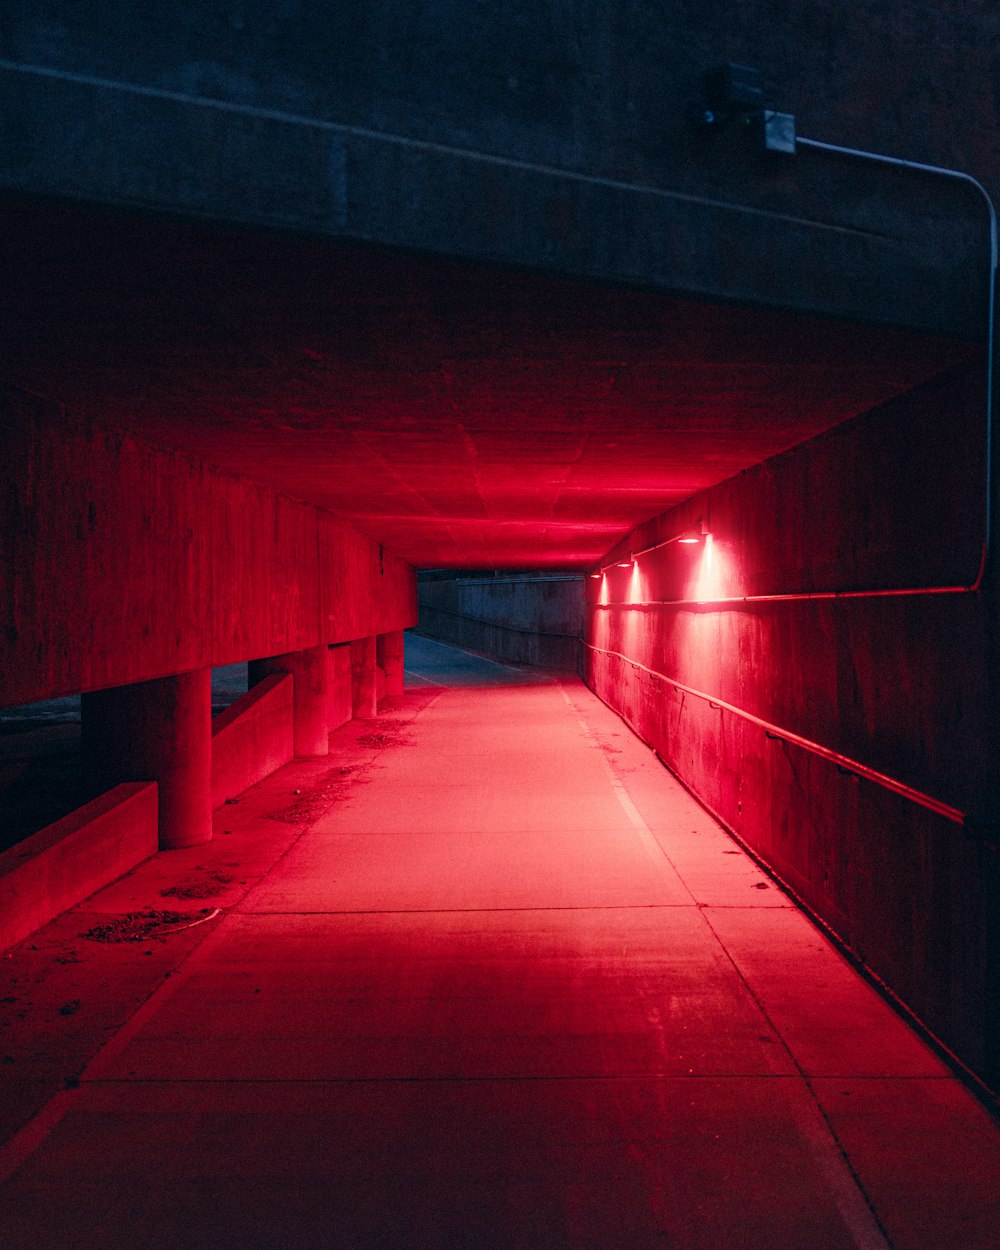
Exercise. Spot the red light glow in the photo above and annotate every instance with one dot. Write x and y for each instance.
(635, 585)
(710, 572)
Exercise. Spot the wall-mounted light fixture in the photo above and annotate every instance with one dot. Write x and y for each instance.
(689, 538)
(693, 536)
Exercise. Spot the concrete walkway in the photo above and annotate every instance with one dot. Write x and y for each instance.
(487, 977)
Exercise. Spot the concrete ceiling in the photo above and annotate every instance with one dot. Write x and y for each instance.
(464, 417)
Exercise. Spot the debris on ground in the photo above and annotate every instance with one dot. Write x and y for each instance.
(140, 926)
(299, 813)
(385, 733)
(381, 738)
(214, 883)
(70, 1008)
(315, 801)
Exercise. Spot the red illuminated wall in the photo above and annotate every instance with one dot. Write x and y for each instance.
(120, 563)
(891, 500)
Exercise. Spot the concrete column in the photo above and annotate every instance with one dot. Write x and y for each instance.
(364, 679)
(389, 650)
(339, 708)
(157, 731)
(309, 669)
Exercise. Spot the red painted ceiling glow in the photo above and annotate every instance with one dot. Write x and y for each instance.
(462, 416)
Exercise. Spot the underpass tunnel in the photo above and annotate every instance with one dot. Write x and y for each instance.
(498, 650)
(798, 642)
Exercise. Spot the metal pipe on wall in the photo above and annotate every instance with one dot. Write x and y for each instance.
(991, 327)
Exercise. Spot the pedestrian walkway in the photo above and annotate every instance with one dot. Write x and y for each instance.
(486, 977)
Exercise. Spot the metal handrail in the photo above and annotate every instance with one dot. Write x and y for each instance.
(845, 762)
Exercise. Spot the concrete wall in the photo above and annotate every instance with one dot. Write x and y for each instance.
(527, 619)
(546, 134)
(252, 737)
(66, 862)
(339, 685)
(898, 683)
(120, 563)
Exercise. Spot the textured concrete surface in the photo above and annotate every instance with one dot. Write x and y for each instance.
(70, 859)
(464, 416)
(526, 618)
(216, 570)
(903, 684)
(253, 736)
(537, 134)
(487, 976)
(157, 731)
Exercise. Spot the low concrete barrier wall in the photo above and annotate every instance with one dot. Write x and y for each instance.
(66, 862)
(253, 737)
(338, 708)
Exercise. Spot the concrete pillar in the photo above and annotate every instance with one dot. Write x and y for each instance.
(364, 680)
(157, 731)
(309, 669)
(389, 652)
(339, 706)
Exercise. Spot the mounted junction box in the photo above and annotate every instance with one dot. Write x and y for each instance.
(777, 132)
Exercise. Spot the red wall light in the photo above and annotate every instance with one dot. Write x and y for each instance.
(696, 534)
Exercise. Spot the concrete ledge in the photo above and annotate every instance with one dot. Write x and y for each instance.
(68, 861)
(253, 737)
(819, 253)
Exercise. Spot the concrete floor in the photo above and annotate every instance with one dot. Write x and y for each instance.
(486, 977)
